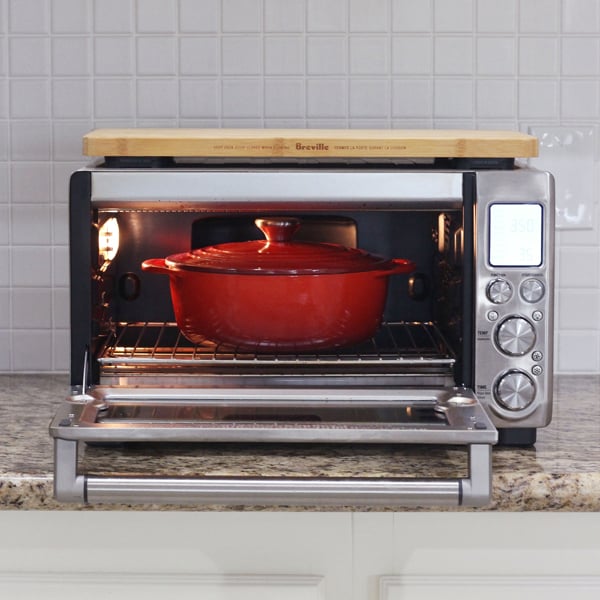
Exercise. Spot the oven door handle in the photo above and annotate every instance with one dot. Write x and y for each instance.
(256, 491)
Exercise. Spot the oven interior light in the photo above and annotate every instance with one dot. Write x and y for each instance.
(108, 240)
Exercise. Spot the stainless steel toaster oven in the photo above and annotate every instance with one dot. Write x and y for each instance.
(460, 354)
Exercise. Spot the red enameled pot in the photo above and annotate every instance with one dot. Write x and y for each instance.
(278, 294)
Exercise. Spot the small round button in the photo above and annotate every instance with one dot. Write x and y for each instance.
(537, 315)
(532, 290)
(537, 370)
(537, 355)
(499, 291)
(492, 315)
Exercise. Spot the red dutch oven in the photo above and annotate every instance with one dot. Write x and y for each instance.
(278, 294)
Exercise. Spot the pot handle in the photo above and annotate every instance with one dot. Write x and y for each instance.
(400, 265)
(155, 265)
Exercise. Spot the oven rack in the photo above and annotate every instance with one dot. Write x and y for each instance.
(162, 344)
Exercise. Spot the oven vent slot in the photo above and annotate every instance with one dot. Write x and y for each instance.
(149, 345)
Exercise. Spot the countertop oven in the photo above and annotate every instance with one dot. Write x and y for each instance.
(462, 354)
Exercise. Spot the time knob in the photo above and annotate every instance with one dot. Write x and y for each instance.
(515, 336)
(515, 390)
(499, 291)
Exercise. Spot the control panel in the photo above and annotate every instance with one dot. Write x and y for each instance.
(514, 303)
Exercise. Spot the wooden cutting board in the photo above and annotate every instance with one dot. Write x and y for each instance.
(310, 143)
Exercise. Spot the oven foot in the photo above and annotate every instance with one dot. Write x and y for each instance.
(514, 436)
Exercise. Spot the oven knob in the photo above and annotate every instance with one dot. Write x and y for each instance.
(515, 336)
(532, 290)
(515, 390)
(499, 291)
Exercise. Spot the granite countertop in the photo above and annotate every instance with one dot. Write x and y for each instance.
(561, 473)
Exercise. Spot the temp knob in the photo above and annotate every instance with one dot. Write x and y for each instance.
(499, 291)
(515, 390)
(515, 336)
(532, 290)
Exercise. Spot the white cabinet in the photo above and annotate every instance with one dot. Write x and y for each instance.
(298, 555)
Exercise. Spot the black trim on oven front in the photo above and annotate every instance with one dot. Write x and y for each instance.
(467, 370)
(80, 249)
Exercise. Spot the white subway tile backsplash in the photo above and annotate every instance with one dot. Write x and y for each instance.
(369, 55)
(326, 98)
(369, 15)
(113, 55)
(284, 98)
(538, 56)
(114, 98)
(453, 98)
(241, 55)
(369, 98)
(30, 140)
(455, 16)
(242, 98)
(199, 98)
(28, 16)
(331, 16)
(579, 99)
(31, 266)
(494, 16)
(71, 16)
(453, 55)
(113, 16)
(496, 98)
(326, 55)
(538, 99)
(60, 227)
(31, 224)
(32, 351)
(579, 267)
(199, 17)
(580, 56)
(577, 352)
(156, 16)
(412, 98)
(579, 309)
(199, 55)
(71, 56)
(496, 56)
(412, 15)
(284, 16)
(539, 16)
(67, 66)
(29, 56)
(580, 16)
(30, 182)
(156, 55)
(241, 16)
(32, 308)
(5, 301)
(71, 98)
(29, 98)
(284, 55)
(157, 98)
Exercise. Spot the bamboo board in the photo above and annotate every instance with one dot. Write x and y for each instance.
(310, 143)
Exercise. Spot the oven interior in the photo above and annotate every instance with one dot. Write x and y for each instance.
(424, 339)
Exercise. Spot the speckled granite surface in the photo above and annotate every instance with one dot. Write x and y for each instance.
(561, 473)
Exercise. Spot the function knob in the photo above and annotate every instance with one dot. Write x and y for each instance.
(515, 336)
(499, 291)
(515, 390)
(532, 290)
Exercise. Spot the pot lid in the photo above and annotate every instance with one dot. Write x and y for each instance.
(279, 254)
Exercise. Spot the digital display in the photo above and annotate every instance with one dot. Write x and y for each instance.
(516, 235)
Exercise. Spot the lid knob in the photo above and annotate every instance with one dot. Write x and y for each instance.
(278, 229)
